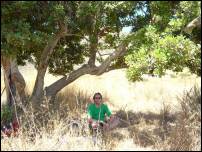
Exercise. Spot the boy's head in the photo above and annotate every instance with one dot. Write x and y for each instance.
(97, 97)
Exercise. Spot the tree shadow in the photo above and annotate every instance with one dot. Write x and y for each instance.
(129, 118)
(146, 128)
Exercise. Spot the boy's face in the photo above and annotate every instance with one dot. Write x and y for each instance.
(97, 99)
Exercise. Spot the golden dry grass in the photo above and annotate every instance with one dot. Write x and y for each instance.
(149, 111)
(147, 95)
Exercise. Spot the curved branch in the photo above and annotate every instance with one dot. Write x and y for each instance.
(54, 88)
(194, 23)
(121, 50)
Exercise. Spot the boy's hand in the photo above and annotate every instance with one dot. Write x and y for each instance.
(111, 117)
(90, 120)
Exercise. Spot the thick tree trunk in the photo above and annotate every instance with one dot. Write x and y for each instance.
(7, 80)
(38, 92)
(14, 81)
(18, 80)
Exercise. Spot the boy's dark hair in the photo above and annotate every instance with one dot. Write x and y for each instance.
(97, 94)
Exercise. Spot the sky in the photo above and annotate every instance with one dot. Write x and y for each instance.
(126, 30)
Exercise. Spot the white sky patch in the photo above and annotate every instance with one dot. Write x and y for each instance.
(126, 30)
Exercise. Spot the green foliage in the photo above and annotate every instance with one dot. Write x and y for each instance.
(185, 13)
(6, 114)
(26, 32)
(137, 64)
(161, 52)
(157, 42)
(68, 54)
(162, 45)
(161, 12)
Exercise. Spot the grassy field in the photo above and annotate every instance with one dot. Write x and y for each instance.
(154, 114)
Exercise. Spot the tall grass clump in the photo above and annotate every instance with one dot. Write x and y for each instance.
(186, 131)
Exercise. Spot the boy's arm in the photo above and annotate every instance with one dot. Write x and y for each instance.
(89, 113)
(108, 112)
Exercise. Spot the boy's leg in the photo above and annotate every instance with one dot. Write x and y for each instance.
(90, 129)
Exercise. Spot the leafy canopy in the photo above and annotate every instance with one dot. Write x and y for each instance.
(162, 44)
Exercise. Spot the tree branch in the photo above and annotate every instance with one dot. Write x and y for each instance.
(194, 23)
(61, 83)
(114, 68)
(43, 64)
(100, 56)
(93, 50)
(52, 90)
(78, 36)
(104, 54)
(121, 50)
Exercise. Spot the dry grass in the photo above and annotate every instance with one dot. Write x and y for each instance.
(50, 127)
(167, 131)
(186, 135)
(146, 96)
(152, 117)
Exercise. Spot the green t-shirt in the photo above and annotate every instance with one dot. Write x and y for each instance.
(93, 111)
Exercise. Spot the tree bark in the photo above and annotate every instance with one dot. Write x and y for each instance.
(93, 50)
(194, 23)
(54, 88)
(14, 81)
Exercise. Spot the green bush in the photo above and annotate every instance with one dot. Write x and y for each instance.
(6, 114)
